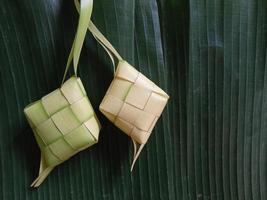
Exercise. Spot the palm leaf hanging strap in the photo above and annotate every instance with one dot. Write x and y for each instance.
(86, 7)
(112, 52)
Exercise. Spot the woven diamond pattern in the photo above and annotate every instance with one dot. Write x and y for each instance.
(63, 122)
(133, 103)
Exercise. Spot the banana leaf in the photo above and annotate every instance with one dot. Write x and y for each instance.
(210, 56)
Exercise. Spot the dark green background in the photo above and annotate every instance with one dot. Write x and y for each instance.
(209, 55)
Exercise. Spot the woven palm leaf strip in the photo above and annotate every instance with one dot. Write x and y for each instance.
(64, 121)
(133, 102)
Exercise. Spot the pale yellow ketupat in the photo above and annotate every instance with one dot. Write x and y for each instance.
(133, 102)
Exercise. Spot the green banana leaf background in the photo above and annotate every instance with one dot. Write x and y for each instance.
(210, 56)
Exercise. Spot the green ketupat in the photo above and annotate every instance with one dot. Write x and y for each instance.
(64, 121)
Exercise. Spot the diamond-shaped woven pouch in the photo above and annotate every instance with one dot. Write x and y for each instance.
(63, 123)
(134, 104)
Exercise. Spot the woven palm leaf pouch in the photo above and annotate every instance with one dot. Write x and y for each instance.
(132, 102)
(64, 122)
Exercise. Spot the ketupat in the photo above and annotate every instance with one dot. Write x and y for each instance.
(64, 121)
(134, 104)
